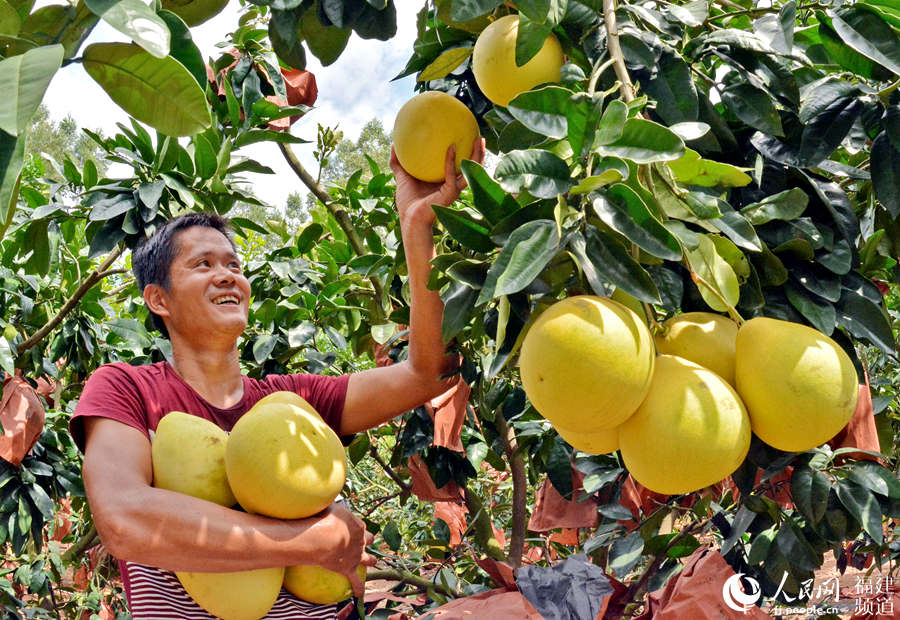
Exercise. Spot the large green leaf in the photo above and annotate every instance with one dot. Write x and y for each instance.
(158, 91)
(25, 79)
(464, 228)
(284, 30)
(136, 20)
(819, 312)
(869, 35)
(860, 503)
(525, 255)
(809, 489)
(864, 319)
(10, 20)
(12, 152)
(787, 205)
(487, 196)
(183, 49)
(885, 167)
(530, 38)
(754, 107)
(464, 10)
(325, 42)
(691, 169)
(644, 142)
(551, 11)
(622, 209)
(674, 91)
(737, 228)
(444, 64)
(605, 259)
(543, 110)
(828, 110)
(716, 272)
(540, 173)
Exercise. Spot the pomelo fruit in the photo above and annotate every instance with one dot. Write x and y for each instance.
(195, 12)
(586, 363)
(425, 128)
(702, 337)
(243, 595)
(290, 398)
(188, 455)
(799, 385)
(691, 431)
(319, 585)
(494, 62)
(284, 462)
(594, 442)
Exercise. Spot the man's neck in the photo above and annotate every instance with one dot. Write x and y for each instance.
(215, 375)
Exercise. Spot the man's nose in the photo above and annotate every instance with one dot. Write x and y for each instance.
(224, 275)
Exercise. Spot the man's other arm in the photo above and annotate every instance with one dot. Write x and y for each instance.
(173, 531)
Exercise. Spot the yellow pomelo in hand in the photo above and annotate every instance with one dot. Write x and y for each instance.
(799, 385)
(586, 363)
(593, 442)
(195, 12)
(188, 455)
(425, 128)
(690, 432)
(319, 585)
(284, 461)
(244, 595)
(494, 62)
(702, 337)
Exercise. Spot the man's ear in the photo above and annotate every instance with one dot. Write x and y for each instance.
(156, 299)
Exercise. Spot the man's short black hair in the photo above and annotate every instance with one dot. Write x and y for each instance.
(151, 261)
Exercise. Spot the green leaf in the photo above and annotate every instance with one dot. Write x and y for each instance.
(487, 196)
(263, 347)
(183, 49)
(864, 319)
(691, 169)
(137, 21)
(530, 38)
(157, 91)
(10, 20)
(876, 478)
(444, 64)
(12, 153)
(612, 124)
(821, 314)
(625, 552)
(754, 107)
(644, 142)
(716, 272)
(325, 42)
(611, 261)
(284, 27)
(787, 205)
(459, 300)
(309, 236)
(539, 172)
(266, 135)
(692, 14)
(743, 518)
(868, 34)
(622, 209)
(131, 331)
(824, 132)
(25, 78)
(809, 489)
(7, 356)
(860, 503)
(759, 548)
(611, 170)
(583, 117)
(543, 110)
(205, 162)
(673, 89)
(559, 467)
(465, 229)
(526, 253)
(391, 534)
(885, 166)
(737, 228)
(793, 545)
(464, 10)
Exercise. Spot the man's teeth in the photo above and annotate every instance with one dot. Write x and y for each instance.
(221, 300)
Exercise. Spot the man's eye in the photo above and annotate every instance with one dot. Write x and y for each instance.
(204, 263)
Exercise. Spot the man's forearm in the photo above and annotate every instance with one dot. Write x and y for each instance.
(426, 347)
(178, 532)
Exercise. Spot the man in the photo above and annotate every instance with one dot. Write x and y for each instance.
(194, 287)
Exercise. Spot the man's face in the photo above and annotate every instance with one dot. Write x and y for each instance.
(208, 291)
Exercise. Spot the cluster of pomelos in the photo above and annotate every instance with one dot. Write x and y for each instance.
(680, 407)
(280, 460)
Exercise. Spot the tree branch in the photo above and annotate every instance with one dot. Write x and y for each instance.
(340, 216)
(373, 450)
(98, 274)
(412, 579)
(520, 488)
(615, 50)
(84, 543)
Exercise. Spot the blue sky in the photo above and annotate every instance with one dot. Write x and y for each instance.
(353, 90)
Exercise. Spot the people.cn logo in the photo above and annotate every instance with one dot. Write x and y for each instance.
(734, 595)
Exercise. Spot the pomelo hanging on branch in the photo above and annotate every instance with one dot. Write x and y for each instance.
(494, 62)
(702, 337)
(586, 363)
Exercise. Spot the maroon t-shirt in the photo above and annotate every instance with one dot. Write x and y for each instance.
(140, 396)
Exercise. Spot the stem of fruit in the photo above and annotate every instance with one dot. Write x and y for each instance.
(732, 312)
(649, 310)
(340, 216)
(615, 50)
(481, 525)
(596, 72)
(412, 579)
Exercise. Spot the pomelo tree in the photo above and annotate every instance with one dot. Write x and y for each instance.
(696, 156)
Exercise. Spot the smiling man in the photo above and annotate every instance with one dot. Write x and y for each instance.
(193, 285)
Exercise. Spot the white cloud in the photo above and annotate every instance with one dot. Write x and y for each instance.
(353, 90)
